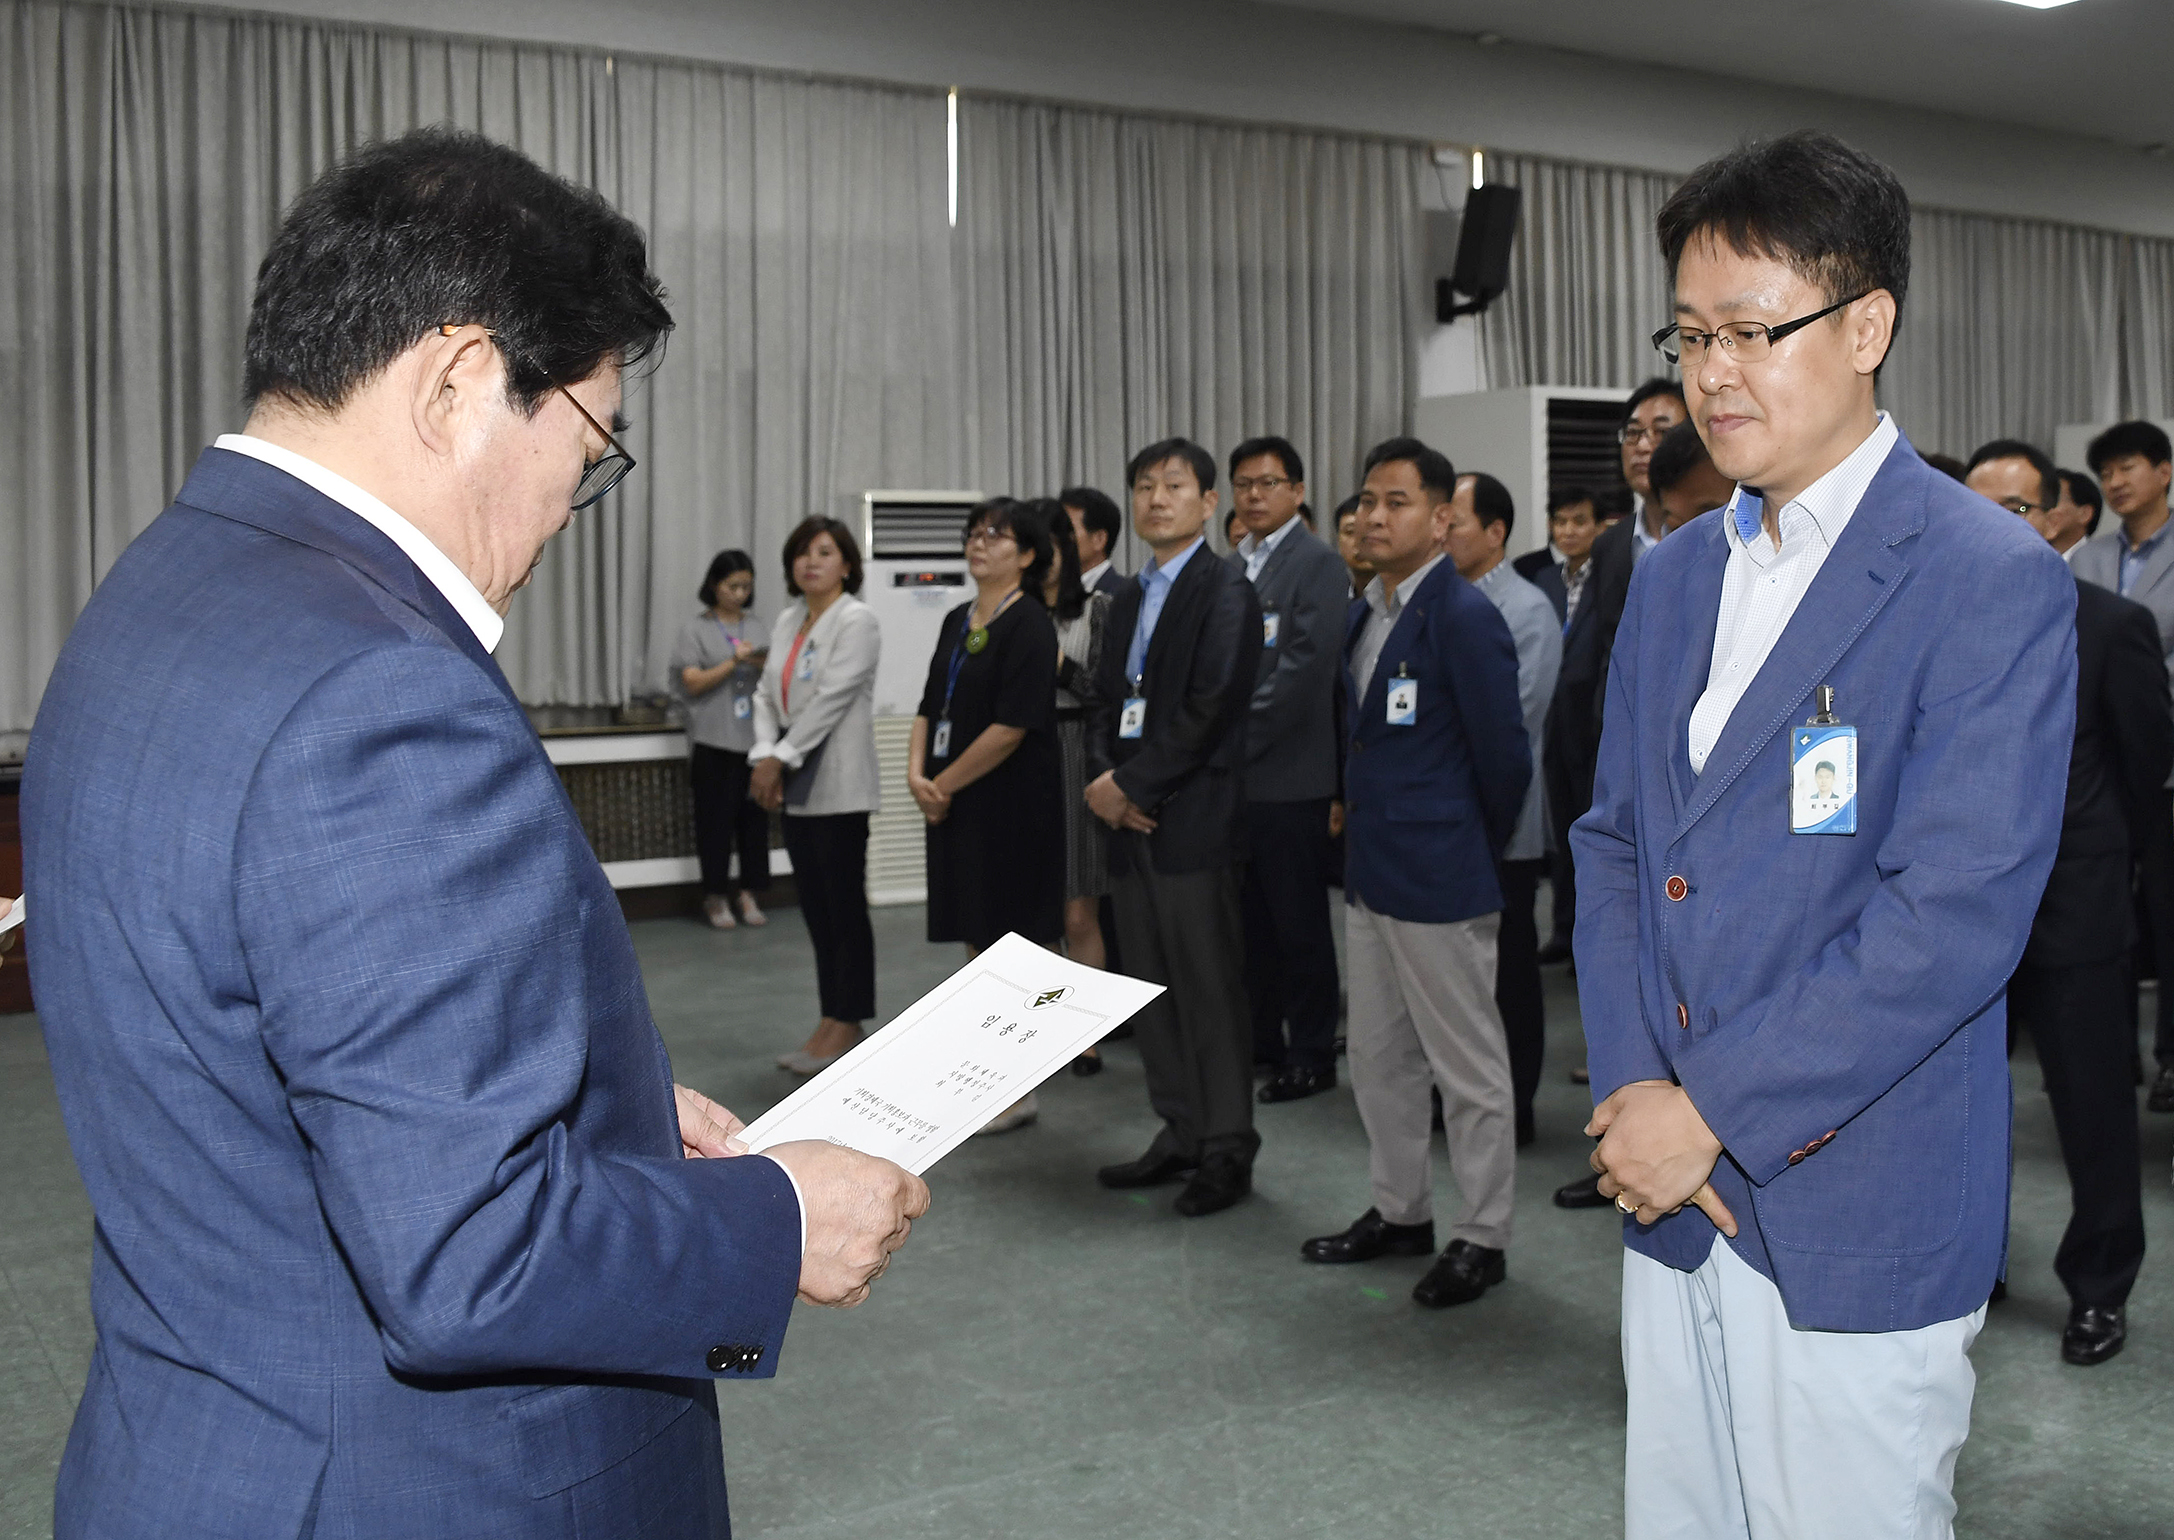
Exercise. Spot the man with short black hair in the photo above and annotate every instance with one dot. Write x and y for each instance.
(400, 1227)
(1347, 544)
(1794, 1019)
(2135, 464)
(1166, 753)
(1435, 778)
(1291, 772)
(1481, 516)
(2074, 988)
(1573, 524)
(1095, 526)
(2077, 513)
(1684, 481)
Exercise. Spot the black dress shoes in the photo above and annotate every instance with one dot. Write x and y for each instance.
(2095, 1333)
(1150, 1170)
(1370, 1237)
(2161, 1098)
(1293, 1081)
(1462, 1274)
(1582, 1193)
(1220, 1182)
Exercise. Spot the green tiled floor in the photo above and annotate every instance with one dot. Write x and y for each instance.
(1047, 1360)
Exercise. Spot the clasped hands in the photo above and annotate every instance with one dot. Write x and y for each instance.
(932, 799)
(1657, 1154)
(766, 783)
(859, 1209)
(1108, 802)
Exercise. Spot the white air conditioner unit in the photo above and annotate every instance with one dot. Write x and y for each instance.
(1530, 439)
(913, 572)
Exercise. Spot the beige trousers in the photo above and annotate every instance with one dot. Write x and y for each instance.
(1423, 1014)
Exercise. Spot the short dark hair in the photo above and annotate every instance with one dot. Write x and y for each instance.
(1029, 531)
(2084, 493)
(443, 226)
(722, 566)
(2049, 478)
(1826, 765)
(1097, 510)
(1492, 502)
(1305, 511)
(1286, 456)
(1560, 498)
(1614, 502)
(1346, 509)
(1436, 474)
(803, 536)
(1831, 214)
(2128, 438)
(1946, 465)
(1064, 548)
(1680, 452)
(1185, 449)
(1659, 385)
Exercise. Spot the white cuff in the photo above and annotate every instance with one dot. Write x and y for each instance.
(792, 758)
(798, 1197)
(761, 750)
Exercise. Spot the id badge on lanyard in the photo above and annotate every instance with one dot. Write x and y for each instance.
(1403, 699)
(1132, 719)
(1823, 773)
(1271, 627)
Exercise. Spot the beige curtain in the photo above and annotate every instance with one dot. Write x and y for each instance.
(1112, 279)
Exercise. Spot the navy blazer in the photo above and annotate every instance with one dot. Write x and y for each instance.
(394, 1234)
(1834, 1004)
(1429, 807)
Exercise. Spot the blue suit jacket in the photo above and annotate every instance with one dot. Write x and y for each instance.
(394, 1236)
(1428, 808)
(1833, 1004)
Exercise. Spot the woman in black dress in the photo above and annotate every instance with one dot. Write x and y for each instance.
(983, 763)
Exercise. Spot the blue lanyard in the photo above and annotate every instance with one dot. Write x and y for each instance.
(958, 648)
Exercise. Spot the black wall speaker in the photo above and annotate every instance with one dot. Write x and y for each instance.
(1483, 252)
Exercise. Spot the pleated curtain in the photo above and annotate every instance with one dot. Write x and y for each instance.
(1112, 279)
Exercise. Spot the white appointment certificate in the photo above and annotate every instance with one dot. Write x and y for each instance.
(957, 1056)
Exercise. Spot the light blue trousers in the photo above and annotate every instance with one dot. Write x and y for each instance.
(1743, 1428)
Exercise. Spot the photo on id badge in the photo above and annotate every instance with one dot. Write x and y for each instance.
(1823, 779)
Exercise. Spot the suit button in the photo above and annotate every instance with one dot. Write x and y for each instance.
(727, 1356)
(1683, 1016)
(1677, 887)
(1795, 1157)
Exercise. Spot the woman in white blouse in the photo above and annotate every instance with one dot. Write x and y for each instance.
(815, 756)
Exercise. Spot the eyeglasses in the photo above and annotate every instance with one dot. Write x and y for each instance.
(985, 534)
(600, 475)
(1746, 342)
(1631, 433)
(2017, 505)
(1265, 485)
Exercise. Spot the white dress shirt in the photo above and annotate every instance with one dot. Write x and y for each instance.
(1385, 608)
(1762, 586)
(1255, 550)
(1093, 575)
(434, 564)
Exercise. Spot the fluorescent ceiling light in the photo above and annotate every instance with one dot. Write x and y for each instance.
(2041, 5)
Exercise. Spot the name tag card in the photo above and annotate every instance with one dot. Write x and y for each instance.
(1403, 702)
(1271, 627)
(1823, 779)
(807, 665)
(1132, 720)
(941, 747)
(742, 707)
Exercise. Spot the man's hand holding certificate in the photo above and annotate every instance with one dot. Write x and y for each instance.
(959, 1055)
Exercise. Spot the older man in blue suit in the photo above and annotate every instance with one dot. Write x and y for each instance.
(1796, 1020)
(400, 1229)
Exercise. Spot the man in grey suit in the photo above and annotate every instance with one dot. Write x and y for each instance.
(1095, 526)
(1290, 771)
(1481, 516)
(2135, 464)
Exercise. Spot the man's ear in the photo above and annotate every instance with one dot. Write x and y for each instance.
(1873, 331)
(457, 375)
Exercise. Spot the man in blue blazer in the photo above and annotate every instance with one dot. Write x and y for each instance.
(1798, 1039)
(399, 1231)
(1435, 777)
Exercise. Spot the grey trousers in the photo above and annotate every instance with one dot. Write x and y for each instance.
(1196, 1040)
(1423, 1013)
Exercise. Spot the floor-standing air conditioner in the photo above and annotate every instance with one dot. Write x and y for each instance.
(1531, 439)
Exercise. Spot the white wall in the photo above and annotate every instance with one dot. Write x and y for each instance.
(1234, 59)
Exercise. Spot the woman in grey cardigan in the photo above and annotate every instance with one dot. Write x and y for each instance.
(815, 756)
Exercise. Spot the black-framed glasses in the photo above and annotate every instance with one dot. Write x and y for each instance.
(600, 475)
(1266, 485)
(1631, 433)
(2024, 509)
(1746, 342)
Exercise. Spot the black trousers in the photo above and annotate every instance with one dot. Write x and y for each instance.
(2155, 925)
(2083, 1021)
(1196, 1041)
(1569, 794)
(1290, 952)
(1517, 982)
(830, 873)
(724, 817)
